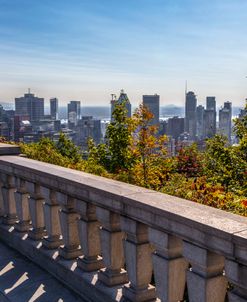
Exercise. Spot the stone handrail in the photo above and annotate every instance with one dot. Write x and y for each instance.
(109, 241)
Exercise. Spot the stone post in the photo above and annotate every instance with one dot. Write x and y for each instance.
(88, 227)
(111, 238)
(36, 211)
(9, 207)
(68, 220)
(236, 274)
(51, 207)
(205, 280)
(138, 262)
(169, 266)
(22, 206)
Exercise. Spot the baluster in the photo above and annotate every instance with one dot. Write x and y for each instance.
(52, 224)
(36, 211)
(88, 227)
(236, 274)
(9, 207)
(169, 266)
(111, 239)
(22, 206)
(68, 219)
(138, 262)
(205, 280)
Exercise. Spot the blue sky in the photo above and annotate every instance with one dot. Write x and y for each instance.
(88, 49)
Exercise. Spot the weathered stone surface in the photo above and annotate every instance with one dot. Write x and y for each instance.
(51, 218)
(204, 225)
(88, 227)
(111, 239)
(138, 261)
(169, 266)
(209, 234)
(205, 280)
(236, 273)
(7, 149)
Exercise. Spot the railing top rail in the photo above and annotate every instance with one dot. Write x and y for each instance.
(209, 227)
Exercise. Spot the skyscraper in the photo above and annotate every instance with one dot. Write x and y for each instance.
(30, 106)
(190, 114)
(200, 122)
(152, 102)
(54, 108)
(209, 123)
(175, 126)
(210, 117)
(74, 113)
(225, 120)
(211, 103)
(123, 99)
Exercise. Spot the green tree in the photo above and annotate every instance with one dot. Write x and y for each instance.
(118, 139)
(224, 164)
(68, 149)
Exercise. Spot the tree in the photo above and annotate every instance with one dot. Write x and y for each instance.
(148, 149)
(118, 139)
(189, 161)
(225, 165)
(68, 149)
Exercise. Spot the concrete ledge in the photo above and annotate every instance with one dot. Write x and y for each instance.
(205, 226)
(6, 149)
(86, 285)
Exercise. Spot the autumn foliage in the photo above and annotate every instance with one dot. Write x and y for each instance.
(134, 152)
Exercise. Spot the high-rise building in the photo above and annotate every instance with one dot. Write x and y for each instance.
(74, 113)
(31, 106)
(209, 123)
(152, 102)
(175, 127)
(200, 122)
(123, 99)
(225, 120)
(210, 117)
(190, 114)
(211, 103)
(88, 128)
(54, 108)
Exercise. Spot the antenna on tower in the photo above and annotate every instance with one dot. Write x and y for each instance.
(186, 87)
(29, 90)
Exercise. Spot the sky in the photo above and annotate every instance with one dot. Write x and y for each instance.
(87, 49)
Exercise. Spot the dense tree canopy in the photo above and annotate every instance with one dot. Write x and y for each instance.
(134, 152)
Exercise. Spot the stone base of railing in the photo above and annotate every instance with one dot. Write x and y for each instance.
(83, 283)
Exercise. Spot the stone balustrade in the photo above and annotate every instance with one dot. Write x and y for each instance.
(111, 241)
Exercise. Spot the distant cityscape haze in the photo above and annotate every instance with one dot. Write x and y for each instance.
(86, 50)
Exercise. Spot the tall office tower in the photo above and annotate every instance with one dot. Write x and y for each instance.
(74, 113)
(54, 108)
(225, 120)
(152, 102)
(88, 128)
(175, 126)
(211, 103)
(209, 123)
(30, 106)
(190, 114)
(210, 117)
(200, 122)
(123, 99)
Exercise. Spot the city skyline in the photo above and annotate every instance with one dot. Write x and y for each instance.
(86, 50)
